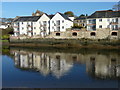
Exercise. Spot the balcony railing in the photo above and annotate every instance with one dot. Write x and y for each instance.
(15, 26)
(113, 22)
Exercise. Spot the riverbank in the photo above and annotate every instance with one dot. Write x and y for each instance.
(64, 43)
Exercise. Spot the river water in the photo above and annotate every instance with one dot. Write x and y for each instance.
(40, 68)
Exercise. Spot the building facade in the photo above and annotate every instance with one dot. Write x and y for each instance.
(41, 25)
(81, 21)
(104, 20)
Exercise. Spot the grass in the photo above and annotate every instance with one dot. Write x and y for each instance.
(4, 40)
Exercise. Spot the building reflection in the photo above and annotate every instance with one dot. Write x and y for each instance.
(59, 64)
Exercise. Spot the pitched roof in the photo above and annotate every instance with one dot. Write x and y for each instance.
(80, 18)
(50, 16)
(27, 18)
(105, 14)
(64, 16)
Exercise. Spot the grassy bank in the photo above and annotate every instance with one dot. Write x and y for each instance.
(64, 43)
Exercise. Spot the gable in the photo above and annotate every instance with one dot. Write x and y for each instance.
(57, 16)
(44, 17)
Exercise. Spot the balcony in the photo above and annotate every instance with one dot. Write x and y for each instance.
(113, 23)
(16, 31)
(16, 26)
(29, 26)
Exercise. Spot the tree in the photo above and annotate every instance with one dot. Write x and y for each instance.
(82, 15)
(69, 13)
(116, 7)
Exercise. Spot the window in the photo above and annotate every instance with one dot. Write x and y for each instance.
(100, 26)
(22, 28)
(58, 22)
(116, 20)
(116, 27)
(44, 28)
(52, 21)
(74, 34)
(62, 27)
(92, 33)
(34, 27)
(62, 21)
(57, 34)
(58, 28)
(100, 20)
(92, 58)
(108, 20)
(44, 23)
(114, 33)
(22, 22)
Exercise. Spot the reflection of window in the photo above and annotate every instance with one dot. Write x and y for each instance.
(74, 58)
(57, 57)
(113, 59)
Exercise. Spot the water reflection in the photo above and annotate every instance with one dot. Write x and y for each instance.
(58, 64)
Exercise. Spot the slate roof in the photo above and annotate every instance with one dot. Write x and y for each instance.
(80, 18)
(105, 14)
(27, 18)
(64, 16)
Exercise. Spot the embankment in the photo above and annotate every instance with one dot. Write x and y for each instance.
(63, 43)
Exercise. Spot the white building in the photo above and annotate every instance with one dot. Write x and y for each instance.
(60, 22)
(41, 25)
(4, 26)
(104, 19)
(26, 25)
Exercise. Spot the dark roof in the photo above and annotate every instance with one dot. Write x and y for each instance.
(28, 18)
(50, 16)
(80, 18)
(64, 16)
(105, 14)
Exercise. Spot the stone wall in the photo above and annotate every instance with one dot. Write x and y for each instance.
(79, 34)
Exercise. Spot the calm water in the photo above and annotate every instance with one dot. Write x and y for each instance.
(61, 69)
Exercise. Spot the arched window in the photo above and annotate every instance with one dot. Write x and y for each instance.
(74, 34)
(92, 33)
(57, 34)
(114, 33)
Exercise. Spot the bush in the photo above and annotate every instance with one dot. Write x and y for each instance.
(77, 26)
(5, 37)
